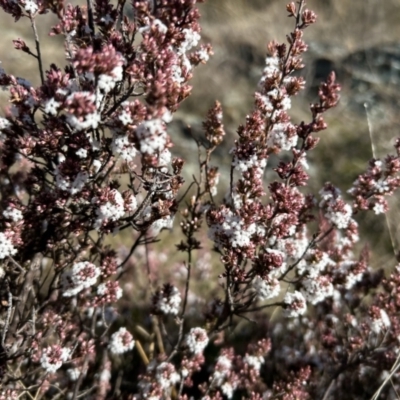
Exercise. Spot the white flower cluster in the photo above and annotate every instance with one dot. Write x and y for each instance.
(162, 223)
(6, 247)
(265, 288)
(121, 342)
(351, 278)
(13, 213)
(157, 25)
(122, 147)
(110, 210)
(169, 304)
(221, 374)
(73, 187)
(272, 66)
(313, 269)
(340, 219)
(222, 369)
(192, 39)
(317, 289)
(197, 340)
(279, 138)
(53, 358)
(152, 136)
(107, 82)
(251, 162)
(73, 374)
(90, 120)
(295, 304)
(83, 275)
(178, 70)
(166, 376)
(103, 290)
(254, 362)
(233, 227)
(380, 324)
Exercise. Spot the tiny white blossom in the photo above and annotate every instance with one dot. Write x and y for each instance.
(51, 106)
(73, 374)
(379, 208)
(30, 7)
(81, 153)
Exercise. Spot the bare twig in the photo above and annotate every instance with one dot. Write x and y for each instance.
(37, 43)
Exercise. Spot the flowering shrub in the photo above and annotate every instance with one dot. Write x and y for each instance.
(87, 154)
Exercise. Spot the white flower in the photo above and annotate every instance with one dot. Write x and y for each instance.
(81, 153)
(96, 165)
(103, 289)
(340, 218)
(79, 182)
(197, 340)
(272, 66)
(30, 7)
(380, 324)
(162, 223)
(125, 118)
(227, 389)
(203, 55)
(152, 136)
(6, 247)
(379, 208)
(279, 138)
(112, 210)
(254, 361)
(169, 303)
(53, 358)
(166, 375)
(266, 289)
(73, 374)
(4, 123)
(160, 26)
(51, 106)
(122, 147)
(83, 275)
(121, 342)
(13, 213)
(317, 289)
(191, 40)
(107, 82)
(295, 304)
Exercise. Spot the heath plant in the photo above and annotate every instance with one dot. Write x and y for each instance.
(296, 311)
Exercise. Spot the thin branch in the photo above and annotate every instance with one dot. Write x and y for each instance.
(37, 43)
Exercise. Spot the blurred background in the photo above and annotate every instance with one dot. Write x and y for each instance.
(359, 40)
